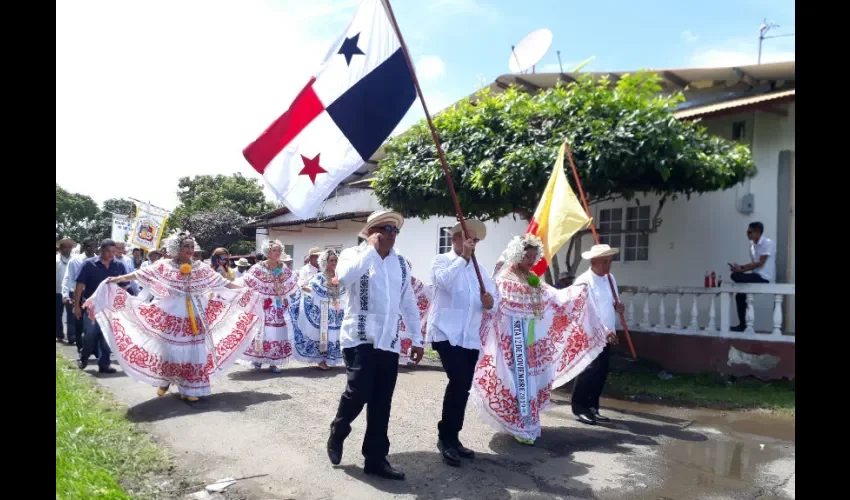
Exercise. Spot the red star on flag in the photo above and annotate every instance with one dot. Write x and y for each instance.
(312, 168)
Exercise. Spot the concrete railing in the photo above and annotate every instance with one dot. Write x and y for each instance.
(707, 311)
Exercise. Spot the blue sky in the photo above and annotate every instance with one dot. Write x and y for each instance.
(181, 87)
(473, 38)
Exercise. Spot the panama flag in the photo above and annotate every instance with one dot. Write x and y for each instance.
(558, 217)
(340, 118)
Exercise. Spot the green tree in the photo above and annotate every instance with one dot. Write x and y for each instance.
(220, 227)
(102, 227)
(75, 214)
(204, 193)
(501, 149)
(243, 247)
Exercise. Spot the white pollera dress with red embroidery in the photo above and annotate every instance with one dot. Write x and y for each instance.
(275, 343)
(154, 342)
(567, 337)
(424, 294)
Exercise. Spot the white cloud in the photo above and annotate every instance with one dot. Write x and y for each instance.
(150, 92)
(430, 68)
(739, 53)
(689, 37)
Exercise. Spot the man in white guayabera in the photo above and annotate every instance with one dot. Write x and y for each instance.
(454, 324)
(377, 281)
(589, 384)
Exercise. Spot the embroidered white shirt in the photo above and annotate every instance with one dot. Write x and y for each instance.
(764, 246)
(455, 313)
(379, 290)
(601, 290)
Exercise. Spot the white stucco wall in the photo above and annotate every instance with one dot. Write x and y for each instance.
(418, 240)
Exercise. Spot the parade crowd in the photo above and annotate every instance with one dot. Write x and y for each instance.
(503, 336)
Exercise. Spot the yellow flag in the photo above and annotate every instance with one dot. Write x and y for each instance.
(559, 215)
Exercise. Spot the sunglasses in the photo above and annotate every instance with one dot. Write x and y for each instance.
(388, 229)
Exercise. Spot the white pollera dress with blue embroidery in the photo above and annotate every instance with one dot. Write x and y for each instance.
(307, 320)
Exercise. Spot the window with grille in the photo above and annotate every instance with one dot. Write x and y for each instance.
(444, 240)
(611, 222)
(619, 228)
(636, 245)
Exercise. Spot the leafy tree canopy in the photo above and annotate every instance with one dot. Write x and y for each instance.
(75, 214)
(501, 149)
(204, 193)
(220, 227)
(102, 227)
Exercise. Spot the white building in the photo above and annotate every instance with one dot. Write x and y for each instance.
(662, 268)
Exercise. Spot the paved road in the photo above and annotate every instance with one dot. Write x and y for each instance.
(262, 423)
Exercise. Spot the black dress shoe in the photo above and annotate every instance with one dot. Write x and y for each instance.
(82, 364)
(465, 452)
(586, 418)
(383, 469)
(451, 456)
(108, 369)
(598, 417)
(334, 451)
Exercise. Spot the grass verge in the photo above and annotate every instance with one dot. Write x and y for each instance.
(99, 453)
(641, 381)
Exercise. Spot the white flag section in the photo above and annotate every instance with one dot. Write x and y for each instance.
(121, 227)
(148, 227)
(340, 118)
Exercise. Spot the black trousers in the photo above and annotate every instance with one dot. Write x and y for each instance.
(741, 298)
(589, 384)
(459, 364)
(60, 308)
(372, 375)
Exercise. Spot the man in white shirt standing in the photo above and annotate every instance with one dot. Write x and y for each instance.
(379, 289)
(311, 268)
(62, 258)
(761, 269)
(454, 322)
(589, 384)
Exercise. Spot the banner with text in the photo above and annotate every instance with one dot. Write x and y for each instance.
(121, 227)
(148, 227)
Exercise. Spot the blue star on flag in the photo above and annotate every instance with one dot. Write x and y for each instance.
(349, 48)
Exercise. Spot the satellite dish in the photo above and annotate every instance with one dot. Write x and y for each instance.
(530, 50)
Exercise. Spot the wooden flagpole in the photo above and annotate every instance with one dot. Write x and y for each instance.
(434, 135)
(596, 238)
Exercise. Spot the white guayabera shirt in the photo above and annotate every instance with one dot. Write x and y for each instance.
(601, 290)
(456, 311)
(379, 290)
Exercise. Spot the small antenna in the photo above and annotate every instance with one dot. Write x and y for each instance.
(559, 62)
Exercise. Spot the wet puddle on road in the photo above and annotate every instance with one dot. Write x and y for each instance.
(714, 454)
